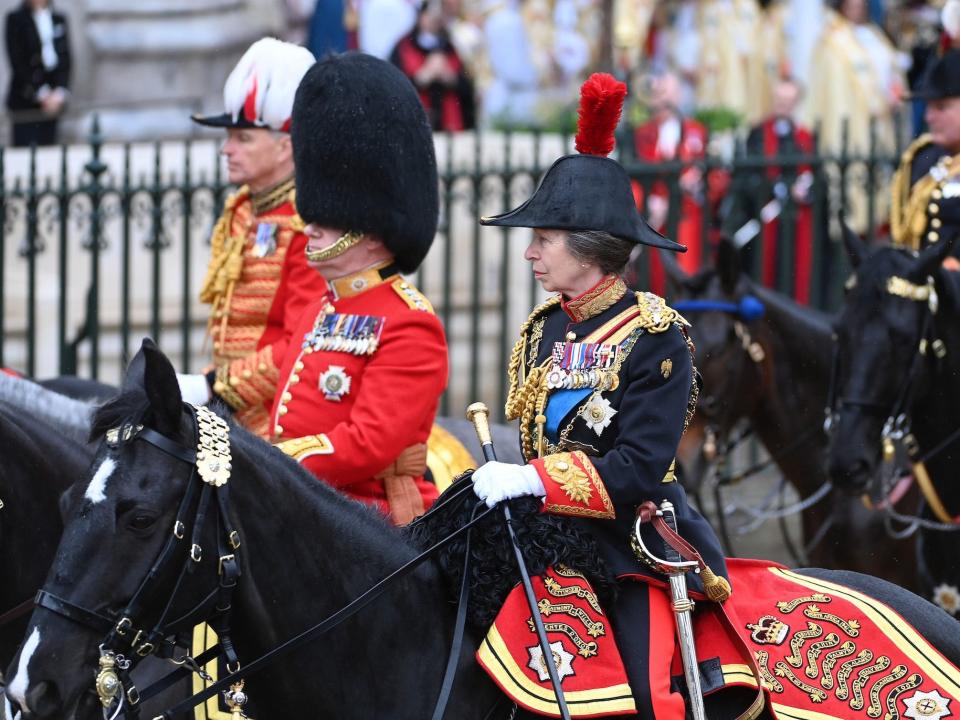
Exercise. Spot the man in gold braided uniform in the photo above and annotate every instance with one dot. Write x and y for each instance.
(926, 188)
(258, 281)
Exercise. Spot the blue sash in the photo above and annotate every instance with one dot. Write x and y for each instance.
(560, 403)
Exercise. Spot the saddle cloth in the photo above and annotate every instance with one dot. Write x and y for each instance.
(806, 648)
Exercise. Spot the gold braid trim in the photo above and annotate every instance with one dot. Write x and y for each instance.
(223, 248)
(527, 394)
(909, 203)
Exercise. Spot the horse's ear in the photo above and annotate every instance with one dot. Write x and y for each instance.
(728, 265)
(677, 277)
(856, 250)
(163, 390)
(133, 378)
(931, 257)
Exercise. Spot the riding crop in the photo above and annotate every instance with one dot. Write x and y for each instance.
(478, 414)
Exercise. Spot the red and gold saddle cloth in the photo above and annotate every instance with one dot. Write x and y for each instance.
(585, 654)
(812, 649)
(824, 651)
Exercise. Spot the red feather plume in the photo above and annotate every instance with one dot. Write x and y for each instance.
(601, 101)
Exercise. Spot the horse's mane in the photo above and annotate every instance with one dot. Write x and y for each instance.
(131, 407)
(341, 516)
(70, 417)
(546, 540)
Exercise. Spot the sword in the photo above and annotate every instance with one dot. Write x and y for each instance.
(478, 414)
(675, 568)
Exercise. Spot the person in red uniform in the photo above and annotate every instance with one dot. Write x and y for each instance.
(670, 137)
(762, 202)
(258, 281)
(367, 363)
(427, 56)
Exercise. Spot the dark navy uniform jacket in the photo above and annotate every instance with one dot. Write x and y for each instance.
(605, 451)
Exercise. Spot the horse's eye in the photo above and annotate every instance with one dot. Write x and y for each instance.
(141, 521)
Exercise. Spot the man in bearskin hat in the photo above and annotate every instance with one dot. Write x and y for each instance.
(258, 281)
(926, 187)
(367, 362)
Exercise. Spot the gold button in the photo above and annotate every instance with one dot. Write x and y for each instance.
(246, 374)
(933, 236)
(278, 430)
(218, 314)
(234, 380)
(936, 194)
(936, 223)
(219, 387)
(287, 397)
(262, 367)
(571, 336)
(283, 410)
(294, 379)
(217, 345)
(298, 365)
(933, 208)
(562, 466)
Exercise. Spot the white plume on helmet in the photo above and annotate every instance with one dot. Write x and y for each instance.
(264, 82)
(950, 18)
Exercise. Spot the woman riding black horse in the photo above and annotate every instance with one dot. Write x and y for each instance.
(601, 379)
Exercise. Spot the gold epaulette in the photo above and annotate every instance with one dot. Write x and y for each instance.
(303, 447)
(409, 293)
(655, 315)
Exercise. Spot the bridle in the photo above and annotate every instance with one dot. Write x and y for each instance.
(897, 426)
(126, 641)
(126, 638)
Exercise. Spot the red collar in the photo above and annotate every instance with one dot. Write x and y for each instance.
(595, 300)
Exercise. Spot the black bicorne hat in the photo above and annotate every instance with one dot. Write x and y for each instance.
(364, 157)
(589, 191)
(942, 78)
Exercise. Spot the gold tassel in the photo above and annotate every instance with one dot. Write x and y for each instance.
(716, 586)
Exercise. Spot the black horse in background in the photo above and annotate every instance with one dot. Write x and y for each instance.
(305, 551)
(774, 373)
(38, 465)
(898, 380)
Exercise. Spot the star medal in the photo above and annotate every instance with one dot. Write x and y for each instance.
(598, 413)
(334, 383)
(266, 240)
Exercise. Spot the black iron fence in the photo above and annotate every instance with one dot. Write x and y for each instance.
(101, 244)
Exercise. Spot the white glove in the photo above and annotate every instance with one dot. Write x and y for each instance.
(498, 481)
(194, 388)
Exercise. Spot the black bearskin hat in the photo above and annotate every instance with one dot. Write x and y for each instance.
(364, 157)
(589, 191)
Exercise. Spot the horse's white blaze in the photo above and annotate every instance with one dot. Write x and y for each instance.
(98, 486)
(17, 689)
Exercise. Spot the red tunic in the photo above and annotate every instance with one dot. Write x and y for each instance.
(258, 284)
(694, 211)
(350, 415)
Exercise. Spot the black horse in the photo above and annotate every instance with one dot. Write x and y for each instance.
(44, 439)
(898, 379)
(774, 371)
(304, 551)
